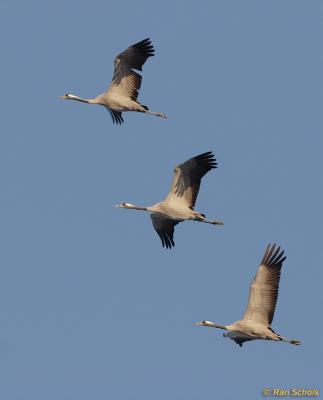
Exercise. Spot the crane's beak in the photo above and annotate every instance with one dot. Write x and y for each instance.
(118, 205)
(198, 324)
(63, 97)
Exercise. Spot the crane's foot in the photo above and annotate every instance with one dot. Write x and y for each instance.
(217, 222)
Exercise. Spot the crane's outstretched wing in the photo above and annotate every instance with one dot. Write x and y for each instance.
(165, 228)
(125, 81)
(187, 178)
(116, 116)
(264, 287)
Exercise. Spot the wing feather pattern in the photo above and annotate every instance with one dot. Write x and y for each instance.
(187, 178)
(264, 287)
(165, 228)
(116, 116)
(125, 81)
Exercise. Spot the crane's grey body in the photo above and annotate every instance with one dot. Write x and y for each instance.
(174, 210)
(123, 91)
(180, 201)
(256, 322)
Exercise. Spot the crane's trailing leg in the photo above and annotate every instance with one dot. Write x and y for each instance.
(291, 341)
(158, 114)
(202, 218)
(147, 111)
(216, 222)
(161, 115)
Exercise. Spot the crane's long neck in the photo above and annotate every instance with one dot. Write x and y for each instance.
(77, 98)
(213, 325)
(132, 207)
(138, 208)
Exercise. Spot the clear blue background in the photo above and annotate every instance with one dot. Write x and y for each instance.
(92, 307)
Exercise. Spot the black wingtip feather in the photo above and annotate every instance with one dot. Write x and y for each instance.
(273, 256)
(134, 57)
(144, 47)
(116, 116)
(207, 160)
(167, 241)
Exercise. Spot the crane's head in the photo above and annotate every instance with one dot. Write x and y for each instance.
(125, 205)
(69, 97)
(205, 323)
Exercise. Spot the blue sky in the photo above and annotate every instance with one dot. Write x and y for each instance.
(91, 305)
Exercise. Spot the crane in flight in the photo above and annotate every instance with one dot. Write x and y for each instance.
(180, 201)
(256, 322)
(123, 91)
